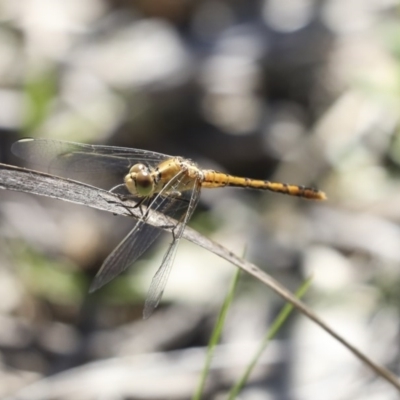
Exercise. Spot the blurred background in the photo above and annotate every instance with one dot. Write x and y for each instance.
(299, 91)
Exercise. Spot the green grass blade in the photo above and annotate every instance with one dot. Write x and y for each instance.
(216, 335)
(276, 325)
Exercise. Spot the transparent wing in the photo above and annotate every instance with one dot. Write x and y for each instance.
(101, 166)
(126, 253)
(160, 279)
(141, 236)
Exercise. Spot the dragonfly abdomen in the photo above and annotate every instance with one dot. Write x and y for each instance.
(213, 179)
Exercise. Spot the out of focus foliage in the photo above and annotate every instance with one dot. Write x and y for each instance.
(301, 91)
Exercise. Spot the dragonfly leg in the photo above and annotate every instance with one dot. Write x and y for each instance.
(171, 227)
(139, 205)
(173, 233)
(109, 201)
(127, 208)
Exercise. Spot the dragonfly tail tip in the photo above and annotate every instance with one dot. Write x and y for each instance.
(322, 196)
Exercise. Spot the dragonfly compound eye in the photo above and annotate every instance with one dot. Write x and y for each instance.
(144, 183)
(139, 180)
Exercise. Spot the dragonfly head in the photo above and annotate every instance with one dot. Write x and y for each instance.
(140, 181)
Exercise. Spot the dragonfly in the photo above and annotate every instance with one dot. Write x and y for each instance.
(166, 184)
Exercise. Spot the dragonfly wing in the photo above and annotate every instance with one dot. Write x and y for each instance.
(101, 166)
(160, 279)
(126, 253)
(132, 247)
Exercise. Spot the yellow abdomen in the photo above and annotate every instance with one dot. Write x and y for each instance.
(214, 179)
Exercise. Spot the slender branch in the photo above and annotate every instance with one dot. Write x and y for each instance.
(29, 181)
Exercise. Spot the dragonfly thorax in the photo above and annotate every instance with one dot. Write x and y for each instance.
(140, 181)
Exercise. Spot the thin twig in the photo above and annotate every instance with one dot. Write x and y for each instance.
(29, 181)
